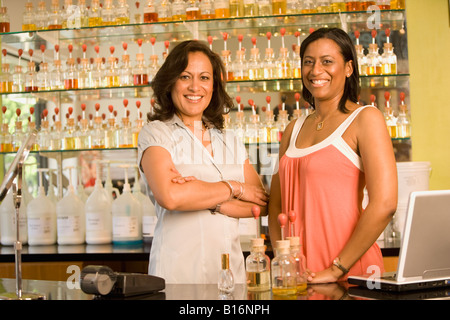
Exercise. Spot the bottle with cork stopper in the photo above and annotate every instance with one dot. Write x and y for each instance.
(403, 119)
(373, 57)
(270, 128)
(239, 65)
(122, 12)
(154, 65)
(283, 65)
(139, 124)
(44, 75)
(226, 58)
(28, 17)
(296, 63)
(140, 76)
(239, 123)
(69, 136)
(41, 16)
(388, 58)
(6, 141)
(362, 59)
(18, 75)
(178, 10)
(6, 78)
(71, 73)
(125, 131)
(31, 75)
(283, 269)
(44, 136)
(54, 16)
(252, 128)
(111, 72)
(391, 120)
(95, 14)
(85, 76)
(18, 134)
(98, 80)
(83, 132)
(164, 10)
(108, 13)
(283, 117)
(254, 63)
(268, 64)
(5, 23)
(97, 132)
(31, 128)
(57, 74)
(111, 134)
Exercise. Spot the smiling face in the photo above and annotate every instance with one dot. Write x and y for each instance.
(193, 89)
(324, 70)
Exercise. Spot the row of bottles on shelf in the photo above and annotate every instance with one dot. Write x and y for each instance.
(87, 73)
(285, 275)
(100, 132)
(79, 218)
(97, 132)
(118, 12)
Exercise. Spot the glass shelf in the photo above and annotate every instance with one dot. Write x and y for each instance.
(52, 153)
(235, 86)
(200, 29)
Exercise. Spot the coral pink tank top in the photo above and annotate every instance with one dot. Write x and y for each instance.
(323, 184)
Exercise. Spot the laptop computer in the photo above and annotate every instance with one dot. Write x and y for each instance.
(424, 258)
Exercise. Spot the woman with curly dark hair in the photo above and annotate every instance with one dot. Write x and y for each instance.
(197, 174)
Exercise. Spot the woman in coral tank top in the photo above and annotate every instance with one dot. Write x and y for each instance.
(326, 160)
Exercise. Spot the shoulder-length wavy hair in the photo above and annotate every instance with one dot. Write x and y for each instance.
(341, 38)
(164, 81)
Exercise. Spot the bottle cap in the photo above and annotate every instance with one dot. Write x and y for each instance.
(294, 241)
(283, 244)
(257, 242)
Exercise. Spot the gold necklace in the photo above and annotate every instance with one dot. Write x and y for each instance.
(319, 125)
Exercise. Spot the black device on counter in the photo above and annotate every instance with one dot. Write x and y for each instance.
(103, 282)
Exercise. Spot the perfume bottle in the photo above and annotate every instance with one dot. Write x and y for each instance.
(264, 7)
(192, 10)
(6, 139)
(71, 73)
(97, 132)
(283, 268)
(403, 119)
(252, 127)
(138, 126)
(122, 12)
(362, 59)
(140, 76)
(300, 263)
(164, 10)
(28, 17)
(108, 14)
(95, 14)
(391, 120)
(226, 279)
(239, 66)
(269, 66)
(150, 13)
(57, 74)
(125, 71)
(338, 6)
(207, 9)
(271, 130)
(44, 136)
(279, 7)
(84, 75)
(44, 75)
(373, 57)
(111, 73)
(251, 8)
(222, 9)
(18, 134)
(31, 75)
(125, 131)
(41, 16)
(82, 11)
(54, 16)
(239, 124)
(257, 267)
(83, 135)
(178, 10)
(111, 132)
(98, 80)
(6, 78)
(31, 128)
(5, 23)
(18, 75)
(254, 63)
(323, 6)
(69, 137)
(153, 66)
(236, 8)
(388, 58)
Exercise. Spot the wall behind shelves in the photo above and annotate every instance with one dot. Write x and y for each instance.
(428, 47)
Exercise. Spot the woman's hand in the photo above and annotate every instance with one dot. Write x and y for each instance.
(252, 193)
(180, 179)
(328, 275)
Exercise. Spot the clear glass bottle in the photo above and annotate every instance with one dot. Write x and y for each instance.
(18, 79)
(207, 9)
(5, 23)
(192, 10)
(57, 74)
(271, 130)
(125, 134)
(67, 14)
(236, 8)
(391, 120)
(226, 59)
(283, 65)
(257, 267)
(84, 74)
(338, 6)
(71, 73)
(150, 13)
(44, 136)
(28, 17)
(269, 66)
(95, 14)
(44, 77)
(164, 10)
(111, 74)
(152, 68)
(6, 139)
(111, 134)
(83, 133)
(18, 136)
(54, 16)
(178, 10)
(222, 9)
(226, 279)
(397, 4)
(138, 125)
(239, 66)
(293, 7)
(300, 262)
(98, 81)
(388, 60)
(97, 132)
(122, 12)
(279, 7)
(264, 7)
(252, 129)
(140, 76)
(362, 60)
(6, 78)
(108, 13)
(125, 71)
(69, 133)
(374, 65)
(283, 268)
(41, 17)
(296, 63)
(324, 6)
(403, 119)
(31, 84)
(239, 124)
(255, 71)
(282, 122)
(82, 10)
(353, 5)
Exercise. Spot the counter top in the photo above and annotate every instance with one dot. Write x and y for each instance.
(114, 252)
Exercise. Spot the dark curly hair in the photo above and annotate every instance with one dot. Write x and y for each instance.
(164, 81)
(341, 38)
